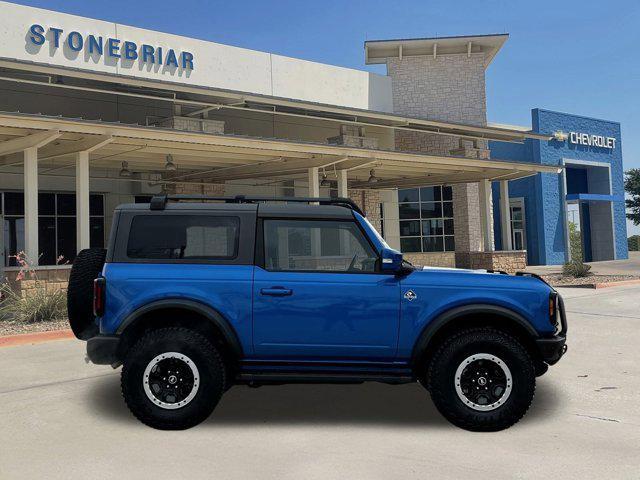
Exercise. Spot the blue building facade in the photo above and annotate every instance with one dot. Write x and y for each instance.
(589, 192)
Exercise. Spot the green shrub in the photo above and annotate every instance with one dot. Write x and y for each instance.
(575, 242)
(576, 269)
(634, 243)
(38, 305)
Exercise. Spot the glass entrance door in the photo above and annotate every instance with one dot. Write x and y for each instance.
(518, 228)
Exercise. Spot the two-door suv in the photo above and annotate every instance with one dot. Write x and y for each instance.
(196, 294)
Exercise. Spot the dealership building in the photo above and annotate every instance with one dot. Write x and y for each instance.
(94, 114)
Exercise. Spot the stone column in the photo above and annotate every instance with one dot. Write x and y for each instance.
(448, 88)
(486, 214)
(369, 202)
(466, 217)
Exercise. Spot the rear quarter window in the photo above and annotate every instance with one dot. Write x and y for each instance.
(183, 237)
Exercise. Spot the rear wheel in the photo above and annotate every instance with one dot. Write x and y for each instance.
(87, 266)
(172, 378)
(482, 379)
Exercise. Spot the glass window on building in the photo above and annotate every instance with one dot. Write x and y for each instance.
(56, 226)
(426, 219)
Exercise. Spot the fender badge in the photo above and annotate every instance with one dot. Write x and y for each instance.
(410, 295)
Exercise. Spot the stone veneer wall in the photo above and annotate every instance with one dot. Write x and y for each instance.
(51, 278)
(187, 188)
(432, 259)
(369, 202)
(510, 261)
(448, 88)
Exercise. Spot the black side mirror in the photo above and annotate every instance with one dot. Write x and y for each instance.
(390, 261)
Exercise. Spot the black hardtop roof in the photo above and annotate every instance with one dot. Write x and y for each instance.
(264, 206)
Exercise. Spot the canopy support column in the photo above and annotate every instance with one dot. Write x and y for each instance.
(486, 216)
(343, 188)
(31, 247)
(314, 185)
(505, 215)
(82, 200)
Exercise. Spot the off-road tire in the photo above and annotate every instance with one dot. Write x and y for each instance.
(441, 377)
(208, 361)
(85, 269)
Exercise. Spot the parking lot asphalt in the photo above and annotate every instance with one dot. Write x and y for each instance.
(62, 418)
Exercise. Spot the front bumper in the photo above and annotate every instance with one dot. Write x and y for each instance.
(553, 348)
(103, 349)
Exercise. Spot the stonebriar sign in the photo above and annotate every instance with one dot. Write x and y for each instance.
(115, 48)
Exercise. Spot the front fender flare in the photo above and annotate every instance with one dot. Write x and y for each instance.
(445, 318)
(209, 313)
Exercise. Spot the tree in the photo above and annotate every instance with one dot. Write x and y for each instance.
(632, 187)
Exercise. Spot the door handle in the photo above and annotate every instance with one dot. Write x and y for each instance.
(276, 291)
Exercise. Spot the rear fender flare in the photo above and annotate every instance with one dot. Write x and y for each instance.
(209, 313)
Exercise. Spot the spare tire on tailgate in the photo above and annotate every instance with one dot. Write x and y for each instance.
(86, 268)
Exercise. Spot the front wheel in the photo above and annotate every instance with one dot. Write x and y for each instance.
(172, 378)
(482, 379)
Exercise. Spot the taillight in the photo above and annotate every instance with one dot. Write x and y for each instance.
(553, 308)
(99, 285)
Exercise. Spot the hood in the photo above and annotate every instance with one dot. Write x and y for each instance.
(479, 278)
(452, 269)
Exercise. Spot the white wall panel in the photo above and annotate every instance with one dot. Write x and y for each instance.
(214, 65)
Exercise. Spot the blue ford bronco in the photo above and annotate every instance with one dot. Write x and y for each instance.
(196, 294)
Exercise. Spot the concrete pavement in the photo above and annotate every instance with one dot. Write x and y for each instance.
(61, 418)
(631, 266)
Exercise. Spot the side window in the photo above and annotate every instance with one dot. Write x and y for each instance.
(315, 245)
(188, 237)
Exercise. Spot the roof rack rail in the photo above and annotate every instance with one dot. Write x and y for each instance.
(159, 202)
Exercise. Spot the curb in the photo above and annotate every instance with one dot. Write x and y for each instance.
(34, 338)
(615, 284)
(602, 285)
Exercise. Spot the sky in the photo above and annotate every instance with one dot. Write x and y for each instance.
(578, 57)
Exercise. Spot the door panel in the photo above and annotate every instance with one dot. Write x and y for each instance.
(319, 295)
(325, 315)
